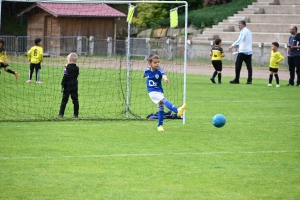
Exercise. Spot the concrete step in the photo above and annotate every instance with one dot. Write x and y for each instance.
(268, 1)
(261, 27)
(204, 37)
(289, 2)
(254, 10)
(277, 9)
(256, 36)
(269, 18)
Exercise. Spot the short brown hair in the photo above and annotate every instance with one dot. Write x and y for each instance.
(2, 41)
(275, 44)
(151, 57)
(218, 41)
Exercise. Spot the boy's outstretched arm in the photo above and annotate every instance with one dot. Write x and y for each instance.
(166, 79)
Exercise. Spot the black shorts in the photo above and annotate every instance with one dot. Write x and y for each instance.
(2, 65)
(217, 64)
(273, 69)
(35, 66)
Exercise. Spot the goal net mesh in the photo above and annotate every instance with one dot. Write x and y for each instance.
(110, 83)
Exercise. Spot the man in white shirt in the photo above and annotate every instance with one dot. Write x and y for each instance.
(244, 53)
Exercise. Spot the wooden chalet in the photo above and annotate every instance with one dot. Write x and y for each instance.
(62, 20)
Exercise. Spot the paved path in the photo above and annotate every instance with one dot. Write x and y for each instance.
(230, 71)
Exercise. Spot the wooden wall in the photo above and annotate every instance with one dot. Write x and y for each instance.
(42, 24)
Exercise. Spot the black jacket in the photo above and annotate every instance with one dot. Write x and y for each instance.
(70, 76)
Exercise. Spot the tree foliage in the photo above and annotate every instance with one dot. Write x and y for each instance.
(149, 14)
(152, 15)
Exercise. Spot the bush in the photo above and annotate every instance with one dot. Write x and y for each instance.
(216, 2)
(214, 14)
(209, 16)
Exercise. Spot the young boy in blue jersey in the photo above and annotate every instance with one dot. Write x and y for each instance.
(154, 75)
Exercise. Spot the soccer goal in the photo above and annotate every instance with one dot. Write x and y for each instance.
(111, 61)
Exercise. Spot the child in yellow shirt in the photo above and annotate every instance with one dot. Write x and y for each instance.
(275, 58)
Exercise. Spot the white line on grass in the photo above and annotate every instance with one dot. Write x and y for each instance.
(147, 155)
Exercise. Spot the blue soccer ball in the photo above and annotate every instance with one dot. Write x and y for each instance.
(219, 120)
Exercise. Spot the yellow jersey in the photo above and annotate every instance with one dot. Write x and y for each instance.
(35, 54)
(216, 53)
(3, 56)
(275, 58)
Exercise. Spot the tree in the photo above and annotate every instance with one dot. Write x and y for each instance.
(151, 15)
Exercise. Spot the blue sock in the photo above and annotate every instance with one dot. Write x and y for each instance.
(160, 115)
(169, 105)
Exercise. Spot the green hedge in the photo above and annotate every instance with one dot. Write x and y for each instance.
(209, 16)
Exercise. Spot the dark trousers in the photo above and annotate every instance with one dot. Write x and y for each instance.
(241, 57)
(73, 91)
(37, 68)
(294, 62)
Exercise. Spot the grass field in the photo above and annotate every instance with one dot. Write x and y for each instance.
(256, 155)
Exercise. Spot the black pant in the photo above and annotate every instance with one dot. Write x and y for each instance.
(241, 57)
(37, 68)
(294, 62)
(73, 91)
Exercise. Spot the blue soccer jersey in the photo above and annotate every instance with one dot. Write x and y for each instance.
(153, 81)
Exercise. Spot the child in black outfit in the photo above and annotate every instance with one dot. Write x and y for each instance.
(69, 85)
(216, 59)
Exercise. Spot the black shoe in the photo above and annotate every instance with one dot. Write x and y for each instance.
(249, 83)
(235, 82)
(289, 84)
(212, 80)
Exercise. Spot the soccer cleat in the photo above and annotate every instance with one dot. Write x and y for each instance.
(277, 85)
(212, 80)
(181, 110)
(220, 83)
(249, 83)
(16, 75)
(60, 116)
(160, 128)
(29, 81)
(75, 116)
(235, 82)
(290, 84)
(38, 82)
(269, 85)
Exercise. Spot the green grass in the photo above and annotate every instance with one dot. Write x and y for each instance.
(102, 91)
(256, 155)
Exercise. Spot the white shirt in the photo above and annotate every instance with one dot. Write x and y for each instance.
(244, 41)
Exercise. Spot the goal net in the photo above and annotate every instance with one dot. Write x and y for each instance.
(111, 61)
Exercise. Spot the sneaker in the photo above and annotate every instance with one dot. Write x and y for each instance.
(277, 85)
(75, 116)
(249, 83)
(269, 85)
(29, 81)
(160, 128)
(212, 80)
(16, 75)
(60, 116)
(289, 84)
(235, 82)
(220, 83)
(38, 82)
(181, 110)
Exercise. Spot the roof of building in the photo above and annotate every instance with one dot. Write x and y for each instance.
(76, 10)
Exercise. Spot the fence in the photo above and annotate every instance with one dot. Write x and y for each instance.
(82, 45)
